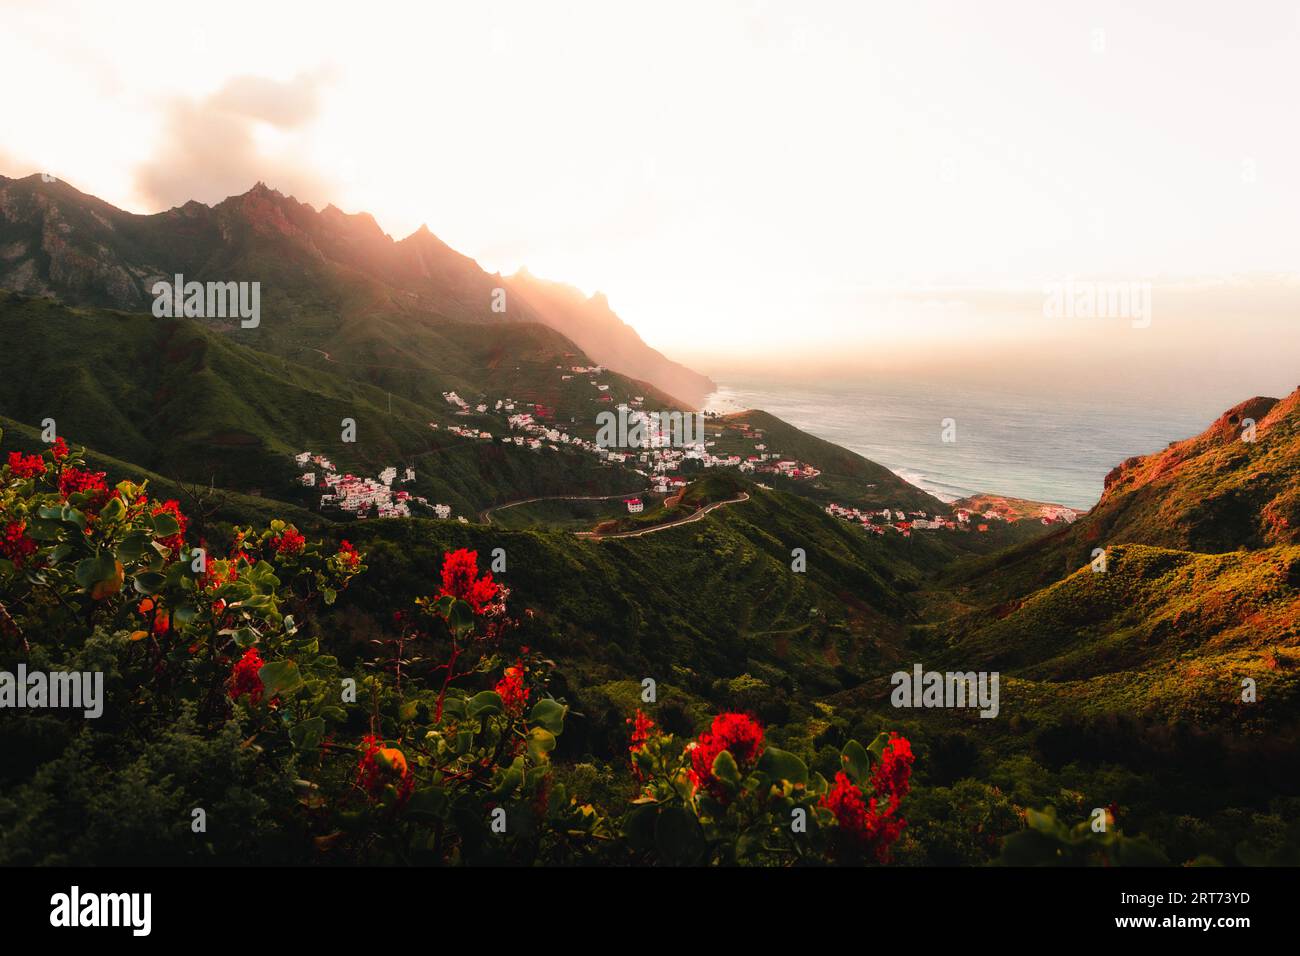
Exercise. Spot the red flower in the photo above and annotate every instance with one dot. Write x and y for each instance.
(59, 449)
(176, 541)
(289, 542)
(872, 826)
(739, 735)
(891, 777)
(73, 481)
(244, 678)
(863, 827)
(380, 766)
(460, 580)
(845, 800)
(26, 466)
(348, 555)
(514, 695)
(212, 580)
(641, 728)
(15, 545)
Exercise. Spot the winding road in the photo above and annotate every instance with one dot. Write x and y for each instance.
(486, 515)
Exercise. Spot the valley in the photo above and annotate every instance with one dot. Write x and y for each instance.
(753, 569)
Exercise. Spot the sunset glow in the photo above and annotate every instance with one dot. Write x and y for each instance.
(798, 171)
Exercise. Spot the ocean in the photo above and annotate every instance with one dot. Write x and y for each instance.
(1049, 447)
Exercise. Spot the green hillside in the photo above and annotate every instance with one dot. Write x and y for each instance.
(846, 478)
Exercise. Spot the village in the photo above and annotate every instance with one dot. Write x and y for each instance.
(655, 455)
(363, 497)
(889, 520)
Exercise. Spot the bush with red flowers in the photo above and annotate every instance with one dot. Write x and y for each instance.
(431, 746)
(730, 798)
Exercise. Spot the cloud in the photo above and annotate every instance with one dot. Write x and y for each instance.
(210, 148)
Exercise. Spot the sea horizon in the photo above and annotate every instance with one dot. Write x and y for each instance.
(1016, 441)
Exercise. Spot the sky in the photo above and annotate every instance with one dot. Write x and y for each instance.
(739, 178)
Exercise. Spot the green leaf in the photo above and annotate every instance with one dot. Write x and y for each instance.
(280, 678)
(307, 734)
(856, 762)
(44, 529)
(725, 769)
(93, 570)
(113, 510)
(461, 617)
(877, 748)
(485, 702)
(149, 582)
(549, 713)
(165, 525)
(132, 546)
(540, 743)
(783, 765)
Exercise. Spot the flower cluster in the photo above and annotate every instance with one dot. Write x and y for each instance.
(244, 678)
(641, 727)
(870, 826)
(460, 580)
(511, 689)
(348, 555)
(26, 466)
(738, 734)
(176, 541)
(74, 481)
(15, 545)
(289, 542)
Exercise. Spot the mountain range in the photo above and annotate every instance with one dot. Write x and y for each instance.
(340, 267)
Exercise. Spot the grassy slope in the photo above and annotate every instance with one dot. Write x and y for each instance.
(1212, 493)
(706, 600)
(179, 399)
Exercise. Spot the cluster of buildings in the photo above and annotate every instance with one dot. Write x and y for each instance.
(895, 520)
(962, 519)
(1057, 514)
(464, 432)
(363, 497)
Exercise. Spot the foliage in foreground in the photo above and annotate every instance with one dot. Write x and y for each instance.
(229, 733)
